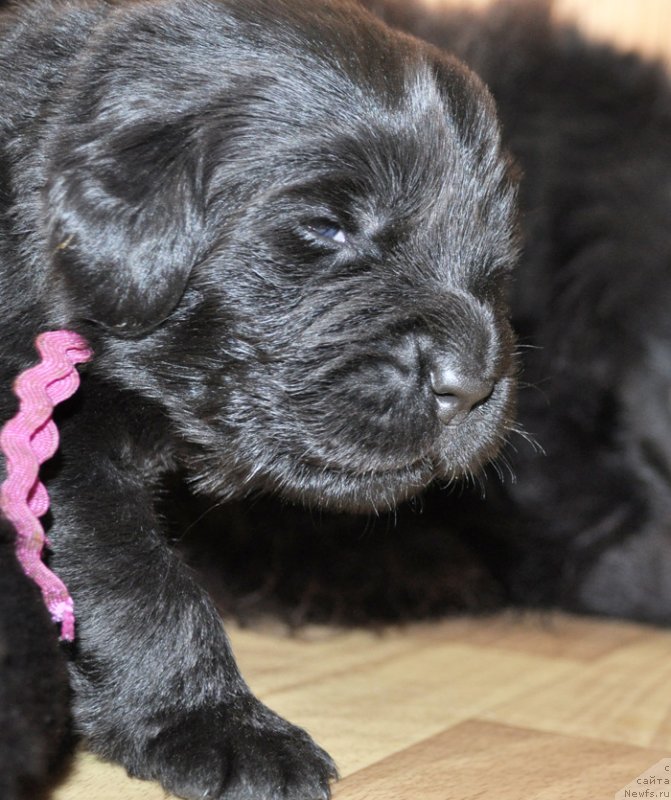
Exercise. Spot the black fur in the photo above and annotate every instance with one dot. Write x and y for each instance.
(286, 232)
(586, 525)
(34, 701)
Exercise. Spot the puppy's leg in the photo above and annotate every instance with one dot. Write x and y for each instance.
(156, 685)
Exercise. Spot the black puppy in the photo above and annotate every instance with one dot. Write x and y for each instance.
(285, 231)
(586, 525)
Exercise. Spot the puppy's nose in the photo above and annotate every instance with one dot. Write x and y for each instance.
(455, 391)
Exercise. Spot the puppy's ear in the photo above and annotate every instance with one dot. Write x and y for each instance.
(126, 211)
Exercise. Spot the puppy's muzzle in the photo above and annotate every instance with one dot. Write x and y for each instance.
(454, 367)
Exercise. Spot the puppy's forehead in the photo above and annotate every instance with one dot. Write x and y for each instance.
(334, 58)
(392, 107)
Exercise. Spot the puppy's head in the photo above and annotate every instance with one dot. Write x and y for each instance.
(293, 229)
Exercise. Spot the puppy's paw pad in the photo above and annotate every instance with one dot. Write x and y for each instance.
(237, 751)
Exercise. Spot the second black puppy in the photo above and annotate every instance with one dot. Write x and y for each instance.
(285, 232)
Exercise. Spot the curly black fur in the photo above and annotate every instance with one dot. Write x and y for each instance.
(287, 233)
(586, 525)
(34, 698)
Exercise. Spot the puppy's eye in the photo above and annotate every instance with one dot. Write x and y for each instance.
(327, 229)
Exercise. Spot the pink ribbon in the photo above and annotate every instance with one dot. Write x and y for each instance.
(28, 440)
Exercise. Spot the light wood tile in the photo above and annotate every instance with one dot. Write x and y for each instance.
(552, 635)
(387, 704)
(624, 696)
(484, 761)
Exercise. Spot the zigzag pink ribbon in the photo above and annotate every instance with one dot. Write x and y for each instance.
(28, 440)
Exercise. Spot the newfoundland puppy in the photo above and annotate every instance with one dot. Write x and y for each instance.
(285, 233)
(576, 512)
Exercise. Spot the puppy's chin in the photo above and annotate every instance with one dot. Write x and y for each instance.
(363, 491)
(378, 491)
(327, 487)
(342, 490)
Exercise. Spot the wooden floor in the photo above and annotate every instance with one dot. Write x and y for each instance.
(507, 708)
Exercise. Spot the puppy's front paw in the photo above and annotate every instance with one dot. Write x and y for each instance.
(237, 751)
